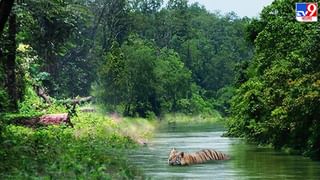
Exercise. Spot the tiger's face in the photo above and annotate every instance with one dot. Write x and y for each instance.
(175, 157)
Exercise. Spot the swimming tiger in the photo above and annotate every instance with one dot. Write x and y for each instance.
(182, 158)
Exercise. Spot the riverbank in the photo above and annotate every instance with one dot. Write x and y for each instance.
(94, 148)
(180, 121)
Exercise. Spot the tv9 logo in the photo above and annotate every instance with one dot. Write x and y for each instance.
(307, 12)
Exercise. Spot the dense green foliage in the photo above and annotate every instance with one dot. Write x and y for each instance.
(175, 60)
(137, 57)
(146, 58)
(140, 56)
(94, 148)
(143, 78)
(279, 101)
(4, 98)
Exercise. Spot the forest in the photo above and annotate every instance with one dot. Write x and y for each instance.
(142, 60)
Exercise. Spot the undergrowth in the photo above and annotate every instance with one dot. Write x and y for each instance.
(94, 149)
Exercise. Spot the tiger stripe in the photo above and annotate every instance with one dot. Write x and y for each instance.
(209, 154)
(207, 157)
(214, 155)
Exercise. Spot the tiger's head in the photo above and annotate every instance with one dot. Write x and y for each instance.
(175, 157)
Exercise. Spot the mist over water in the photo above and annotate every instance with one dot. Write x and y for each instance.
(247, 161)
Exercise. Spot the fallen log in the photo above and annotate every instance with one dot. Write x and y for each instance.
(45, 120)
(55, 119)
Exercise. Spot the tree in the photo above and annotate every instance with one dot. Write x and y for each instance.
(5, 9)
(127, 77)
(278, 102)
(58, 32)
(10, 63)
(147, 7)
(8, 57)
(142, 79)
(173, 80)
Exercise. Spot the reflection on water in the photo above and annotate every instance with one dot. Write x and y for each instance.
(248, 161)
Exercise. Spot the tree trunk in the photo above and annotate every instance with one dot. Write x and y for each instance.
(10, 63)
(5, 9)
(127, 109)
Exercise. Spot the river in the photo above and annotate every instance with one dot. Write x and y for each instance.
(247, 161)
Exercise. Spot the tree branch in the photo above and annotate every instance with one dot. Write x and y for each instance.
(42, 93)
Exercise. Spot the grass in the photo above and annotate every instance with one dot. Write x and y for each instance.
(192, 120)
(181, 122)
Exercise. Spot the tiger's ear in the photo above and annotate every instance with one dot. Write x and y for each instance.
(173, 150)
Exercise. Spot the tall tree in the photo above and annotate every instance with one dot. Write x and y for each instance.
(8, 58)
(5, 9)
(10, 63)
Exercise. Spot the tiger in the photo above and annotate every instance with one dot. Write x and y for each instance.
(182, 158)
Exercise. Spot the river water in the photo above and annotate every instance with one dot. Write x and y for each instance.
(247, 161)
